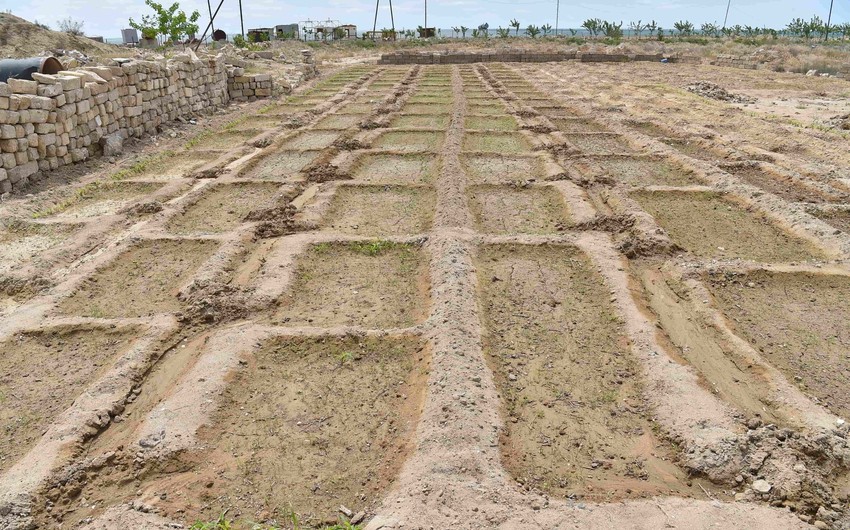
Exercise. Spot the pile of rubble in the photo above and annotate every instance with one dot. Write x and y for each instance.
(712, 91)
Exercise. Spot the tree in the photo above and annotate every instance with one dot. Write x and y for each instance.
(463, 30)
(475, 33)
(592, 25)
(71, 26)
(652, 27)
(515, 24)
(503, 33)
(710, 29)
(684, 27)
(637, 27)
(171, 23)
(455, 31)
(844, 29)
(612, 30)
(546, 29)
(532, 31)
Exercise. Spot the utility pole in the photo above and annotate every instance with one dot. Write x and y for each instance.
(726, 18)
(426, 17)
(557, 14)
(241, 21)
(828, 21)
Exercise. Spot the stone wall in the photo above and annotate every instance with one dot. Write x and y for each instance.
(248, 88)
(61, 119)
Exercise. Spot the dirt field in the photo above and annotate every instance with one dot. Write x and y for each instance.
(559, 295)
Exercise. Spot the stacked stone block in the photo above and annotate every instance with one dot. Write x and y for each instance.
(61, 119)
(248, 88)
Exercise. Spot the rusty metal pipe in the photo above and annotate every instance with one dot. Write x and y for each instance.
(24, 68)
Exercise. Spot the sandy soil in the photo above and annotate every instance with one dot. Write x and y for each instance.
(472, 296)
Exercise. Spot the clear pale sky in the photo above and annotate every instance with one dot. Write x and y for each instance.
(107, 17)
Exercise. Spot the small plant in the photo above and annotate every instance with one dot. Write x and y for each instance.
(532, 31)
(455, 31)
(71, 26)
(515, 24)
(503, 33)
(346, 357)
(546, 29)
(40, 25)
(222, 523)
(371, 248)
(463, 30)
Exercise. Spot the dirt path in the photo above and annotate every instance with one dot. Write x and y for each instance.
(441, 297)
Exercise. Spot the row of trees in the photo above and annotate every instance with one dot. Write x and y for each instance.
(598, 28)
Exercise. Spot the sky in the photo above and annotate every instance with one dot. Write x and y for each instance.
(107, 17)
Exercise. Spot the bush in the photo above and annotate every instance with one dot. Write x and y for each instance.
(71, 26)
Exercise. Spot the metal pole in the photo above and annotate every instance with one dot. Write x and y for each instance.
(209, 6)
(375, 25)
(557, 15)
(209, 25)
(727, 13)
(241, 21)
(828, 21)
(426, 17)
(392, 18)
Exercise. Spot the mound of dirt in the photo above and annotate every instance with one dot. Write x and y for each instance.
(20, 38)
(712, 91)
(276, 222)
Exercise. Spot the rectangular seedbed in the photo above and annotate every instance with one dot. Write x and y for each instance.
(578, 125)
(261, 121)
(381, 210)
(223, 207)
(21, 242)
(494, 142)
(649, 128)
(499, 169)
(489, 109)
(556, 347)
(411, 140)
(708, 224)
(170, 166)
(373, 285)
(224, 140)
(396, 168)
(799, 324)
(307, 140)
(518, 210)
(280, 164)
(422, 121)
(358, 108)
(286, 109)
(340, 121)
(426, 108)
(599, 143)
(43, 372)
(286, 452)
(693, 148)
(491, 123)
(102, 198)
(638, 171)
(141, 281)
(430, 100)
(762, 176)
